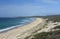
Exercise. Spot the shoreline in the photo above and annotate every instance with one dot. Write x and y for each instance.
(14, 27)
(11, 34)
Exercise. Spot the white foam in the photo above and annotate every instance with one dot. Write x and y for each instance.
(2, 30)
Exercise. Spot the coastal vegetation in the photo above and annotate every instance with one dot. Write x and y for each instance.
(33, 34)
(48, 35)
(54, 18)
(57, 27)
(51, 34)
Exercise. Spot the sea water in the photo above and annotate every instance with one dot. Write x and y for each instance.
(8, 23)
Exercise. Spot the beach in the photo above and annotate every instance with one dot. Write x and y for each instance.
(11, 34)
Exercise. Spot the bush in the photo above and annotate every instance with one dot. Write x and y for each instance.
(48, 35)
(57, 27)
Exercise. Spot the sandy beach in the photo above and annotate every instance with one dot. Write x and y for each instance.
(11, 34)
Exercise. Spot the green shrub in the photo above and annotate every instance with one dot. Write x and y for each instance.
(48, 35)
(57, 27)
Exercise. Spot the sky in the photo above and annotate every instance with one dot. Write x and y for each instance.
(14, 8)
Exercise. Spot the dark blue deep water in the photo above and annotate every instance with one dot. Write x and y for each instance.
(9, 22)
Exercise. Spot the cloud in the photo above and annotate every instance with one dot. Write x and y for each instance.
(25, 10)
(17, 10)
(50, 1)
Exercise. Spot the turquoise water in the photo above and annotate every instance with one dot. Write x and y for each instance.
(10, 22)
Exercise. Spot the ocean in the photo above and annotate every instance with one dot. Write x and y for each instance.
(8, 23)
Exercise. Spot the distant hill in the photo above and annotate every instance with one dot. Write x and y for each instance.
(53, 18)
